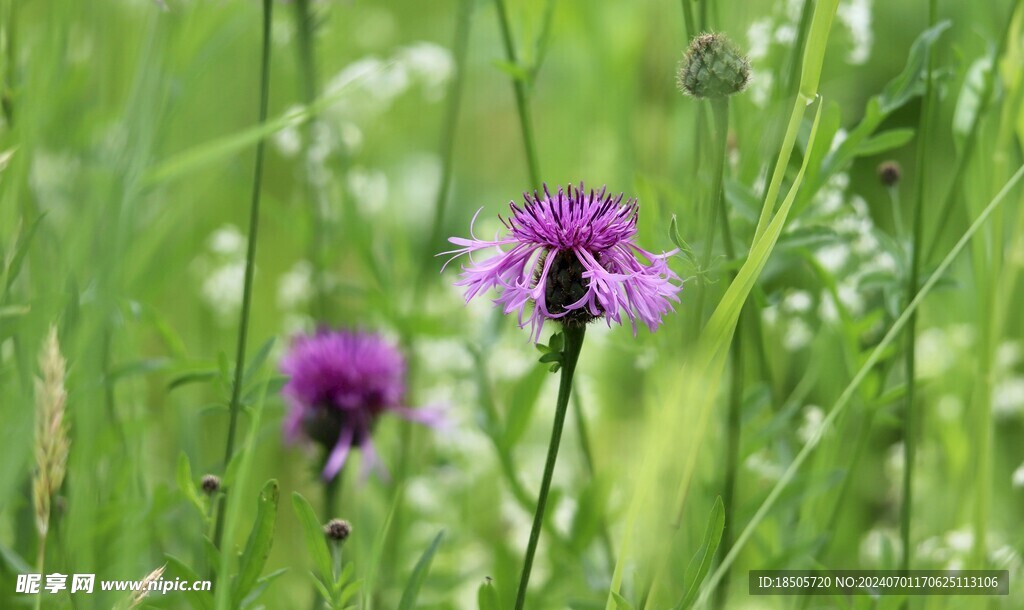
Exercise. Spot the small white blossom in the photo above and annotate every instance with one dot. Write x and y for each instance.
(798, 301)
(296, 286)
(370, 189)
(227, 241)
(1008, 397)
(1018, 477)
(222, 289)
(798, 334)
(856, 16)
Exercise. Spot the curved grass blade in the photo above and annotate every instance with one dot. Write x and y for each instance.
(419, 575)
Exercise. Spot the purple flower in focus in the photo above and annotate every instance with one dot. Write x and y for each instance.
(340, 383)
(572, 256)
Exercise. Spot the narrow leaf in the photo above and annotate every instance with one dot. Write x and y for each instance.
(316, 543)
(257, 549)
(701, 561)
(419, 575)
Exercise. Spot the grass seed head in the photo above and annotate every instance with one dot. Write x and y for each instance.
(51, 436)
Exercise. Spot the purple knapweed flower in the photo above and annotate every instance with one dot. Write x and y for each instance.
(573, 257)
(340, 383)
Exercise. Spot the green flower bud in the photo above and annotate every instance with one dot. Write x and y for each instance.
(713, 68)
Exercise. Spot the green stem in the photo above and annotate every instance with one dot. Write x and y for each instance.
(689, 21)
(306, 53)
(910, 423)
(720, 114)
(570, 355)
(959, 171)
(331, 492)
(250, 258)
(519, 87)
(451, 122)
(40, 564)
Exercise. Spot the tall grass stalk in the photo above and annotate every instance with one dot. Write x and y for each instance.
(699, 385)
(447, 147)
(519, 89)
(910, 416)
(51, 442)
(715, 199)
(845, 397)
(250, 259)
(570, 355)
(316, 203)
(970, 142)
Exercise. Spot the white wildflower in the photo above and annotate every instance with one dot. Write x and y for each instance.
(856, 16)
(833, 257)
(798, 334)
(759, 39)
(798, 301)
(295, 287)
(227, 241)
(370, 189)
(1018, 477)
(429, 64)
(814, 417)
(222, 289)
(1008, 397)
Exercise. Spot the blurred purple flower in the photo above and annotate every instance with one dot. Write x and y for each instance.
(340, 383)
(572, 255)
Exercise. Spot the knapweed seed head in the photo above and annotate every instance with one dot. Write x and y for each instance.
(337, 530)
(210, 484)
(713, 68)
(890, 173)
(341, 382)
(571, 257)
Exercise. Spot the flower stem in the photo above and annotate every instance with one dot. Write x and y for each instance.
(910, 424)
(331, 493)
(519, 87)
(250, 259)
(570, 355)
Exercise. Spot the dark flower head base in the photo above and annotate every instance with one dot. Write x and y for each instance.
(571, 258)
(340, 383)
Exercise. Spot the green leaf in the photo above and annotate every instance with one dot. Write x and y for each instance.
(701, 561)
(557, 342)
(419, 575)
(13, 561)
(192, 377)
(198, 600)
(257, 360)
(487, 596)
(139, 367)
(909, 82)
(551, 357)
(316, 543)
(621, 603)
(20, 251)
(516, 71)
(257, 549)
(14, 311)
(261, 586)
(187, 484)
(885, 141)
